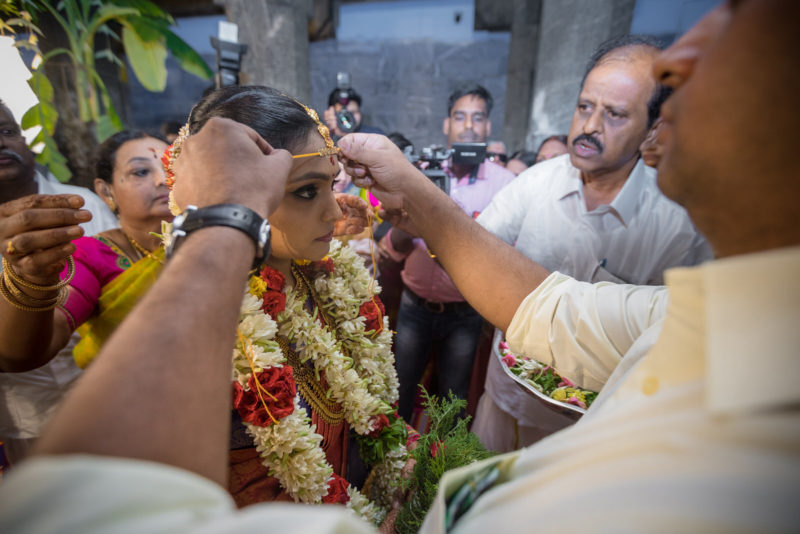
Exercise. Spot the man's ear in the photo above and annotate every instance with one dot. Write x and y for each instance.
(488, 128)
(446, 126)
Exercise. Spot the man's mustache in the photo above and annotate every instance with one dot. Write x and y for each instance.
(8, 153)
(468, 136)
(589, 139)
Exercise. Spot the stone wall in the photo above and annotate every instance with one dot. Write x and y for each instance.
(570, 30)
(405, 85)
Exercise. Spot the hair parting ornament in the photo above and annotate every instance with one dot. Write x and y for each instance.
(174, 150)
(329, 149)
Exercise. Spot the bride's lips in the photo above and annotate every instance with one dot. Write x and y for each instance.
(325, 238)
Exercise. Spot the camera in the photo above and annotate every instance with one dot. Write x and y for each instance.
(431, 158)
(344, 118)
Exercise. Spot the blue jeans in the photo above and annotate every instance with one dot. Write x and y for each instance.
(457, 333)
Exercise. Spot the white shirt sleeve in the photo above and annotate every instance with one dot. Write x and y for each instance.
(506, 212)
(583, 330)
(93, 494)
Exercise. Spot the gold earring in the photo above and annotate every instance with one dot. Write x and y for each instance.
(112, 205)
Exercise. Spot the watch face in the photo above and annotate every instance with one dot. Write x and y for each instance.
(178, 221)
(263, 238)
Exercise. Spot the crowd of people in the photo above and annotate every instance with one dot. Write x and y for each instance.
(157, 376)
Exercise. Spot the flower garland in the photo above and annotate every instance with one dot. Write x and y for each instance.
(348, 340)
(545, 379)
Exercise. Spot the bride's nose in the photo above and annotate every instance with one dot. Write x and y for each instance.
(332, 210)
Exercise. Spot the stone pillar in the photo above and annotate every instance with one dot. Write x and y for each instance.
(276, 33)
(570, 30)
(521, 69)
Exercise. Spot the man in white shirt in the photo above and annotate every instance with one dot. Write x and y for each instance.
(595, 214)
(686, 435)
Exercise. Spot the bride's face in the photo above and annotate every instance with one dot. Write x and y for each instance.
(302, 226)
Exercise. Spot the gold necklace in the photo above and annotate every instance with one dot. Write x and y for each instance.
(306, 379)
(139, 248)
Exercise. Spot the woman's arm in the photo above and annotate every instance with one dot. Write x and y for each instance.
(35, 235)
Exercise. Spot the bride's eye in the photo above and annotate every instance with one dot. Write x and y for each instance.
(306, 192)
(334, 182)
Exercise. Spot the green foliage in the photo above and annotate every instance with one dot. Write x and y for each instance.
(44, 114)
(147, 52)
(393, 436)
(146, 38)
(447, 445)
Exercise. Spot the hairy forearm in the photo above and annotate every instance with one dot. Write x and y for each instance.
(493, 277)
(173, 403)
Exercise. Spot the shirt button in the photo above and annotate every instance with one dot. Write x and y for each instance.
(650, 385)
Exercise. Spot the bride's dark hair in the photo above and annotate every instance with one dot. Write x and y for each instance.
(278, 118)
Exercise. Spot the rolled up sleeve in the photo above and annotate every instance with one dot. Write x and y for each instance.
(583, 330)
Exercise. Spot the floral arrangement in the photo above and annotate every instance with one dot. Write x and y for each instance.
(347, 338)
(545, 379)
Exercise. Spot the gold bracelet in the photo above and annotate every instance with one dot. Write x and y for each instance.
(18, 280)
(22, 297)
(57, 301)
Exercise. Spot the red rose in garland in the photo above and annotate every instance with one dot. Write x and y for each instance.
(373, 312)
(274, 279)
(273, 302)
(327, 264)
(380, 422)
(279, 383)
(337, 491)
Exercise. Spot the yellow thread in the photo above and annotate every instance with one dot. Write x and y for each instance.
(247, 348)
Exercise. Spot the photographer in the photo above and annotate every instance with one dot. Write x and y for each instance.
(343, 115)
(431, 308)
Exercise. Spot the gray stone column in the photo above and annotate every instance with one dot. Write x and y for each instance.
(569, 32)
(276, 33)
(521, 69)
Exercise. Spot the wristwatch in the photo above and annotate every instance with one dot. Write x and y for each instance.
(232, 215)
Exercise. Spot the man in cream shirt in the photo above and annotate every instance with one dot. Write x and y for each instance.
(697, 429)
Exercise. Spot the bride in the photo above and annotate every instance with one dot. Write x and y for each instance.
(314, 385)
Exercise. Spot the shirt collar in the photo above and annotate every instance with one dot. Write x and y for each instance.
(752, 318)
(627, 201)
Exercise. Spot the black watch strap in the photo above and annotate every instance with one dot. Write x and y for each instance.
(231, 215)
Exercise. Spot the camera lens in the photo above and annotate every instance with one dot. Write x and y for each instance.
(346, 121)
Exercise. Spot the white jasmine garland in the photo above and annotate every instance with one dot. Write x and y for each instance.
(358, 367)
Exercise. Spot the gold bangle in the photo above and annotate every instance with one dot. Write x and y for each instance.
(22, 297)
(62, 295)
(18, 280)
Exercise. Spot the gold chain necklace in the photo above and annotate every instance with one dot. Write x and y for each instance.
(137, 247)
(308, 384)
